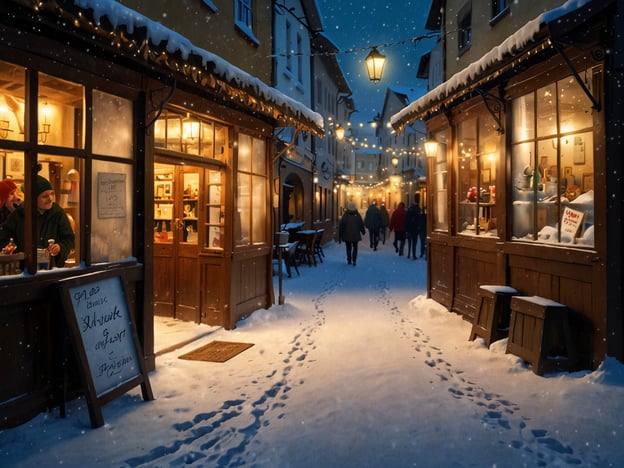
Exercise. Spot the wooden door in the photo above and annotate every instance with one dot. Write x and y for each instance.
(176, 244)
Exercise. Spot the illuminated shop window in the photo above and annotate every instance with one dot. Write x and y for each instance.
(439, 185)
(553, 164)
(479, 149)
(185, 133)
(251, 192)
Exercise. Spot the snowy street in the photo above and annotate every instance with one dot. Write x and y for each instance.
(358, 369)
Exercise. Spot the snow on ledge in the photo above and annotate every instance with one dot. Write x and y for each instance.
(120, 15)
(513, 43)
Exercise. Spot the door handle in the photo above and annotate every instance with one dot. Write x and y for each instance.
(179, 224)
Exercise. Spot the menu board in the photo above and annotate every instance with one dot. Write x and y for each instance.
(105, 339)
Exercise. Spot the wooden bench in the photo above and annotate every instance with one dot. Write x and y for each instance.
(491, 321)
(540, 333)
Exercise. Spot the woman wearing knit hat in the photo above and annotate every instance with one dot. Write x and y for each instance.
(9, 198)
(350, 230)
(52, 223)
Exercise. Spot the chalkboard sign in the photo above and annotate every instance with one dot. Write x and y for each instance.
(105, 339)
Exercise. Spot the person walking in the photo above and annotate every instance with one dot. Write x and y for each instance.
(397, 224)
(385, 222)
(412, 226)
(372, 221)
(422, 233)
(350, 230)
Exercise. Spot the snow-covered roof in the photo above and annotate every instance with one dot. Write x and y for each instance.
(410, 92)
(222, 73)
(514, 44)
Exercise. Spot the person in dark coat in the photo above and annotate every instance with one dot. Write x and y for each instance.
(350, 230)
(412, 227)
(52, 223)
(372, 221)
(422, 233)
(397, 224)
(385, 222)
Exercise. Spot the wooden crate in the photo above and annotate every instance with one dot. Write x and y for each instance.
(491, 320)
(539, 333)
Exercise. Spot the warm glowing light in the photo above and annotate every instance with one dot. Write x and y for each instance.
(375, 62)
(431, 148)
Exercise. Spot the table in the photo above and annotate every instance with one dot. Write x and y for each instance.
(306, 238)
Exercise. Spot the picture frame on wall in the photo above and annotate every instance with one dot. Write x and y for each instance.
(14, 166)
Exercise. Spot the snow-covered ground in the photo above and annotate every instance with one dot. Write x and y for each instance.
(356, 369)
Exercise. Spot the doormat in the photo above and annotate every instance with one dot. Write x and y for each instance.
(216, 351)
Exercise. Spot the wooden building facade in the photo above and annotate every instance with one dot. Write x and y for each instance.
(525, 190)
(160, 154)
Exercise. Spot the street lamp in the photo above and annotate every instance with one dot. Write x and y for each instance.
(340, 132)
(374, 65)
(431, 148)
(395, 161)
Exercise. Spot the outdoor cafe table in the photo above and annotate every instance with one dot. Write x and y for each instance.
(306, 238)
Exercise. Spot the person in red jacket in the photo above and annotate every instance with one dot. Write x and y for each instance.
(397, 224)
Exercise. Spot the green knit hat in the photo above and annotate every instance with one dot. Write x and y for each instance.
(43, 184)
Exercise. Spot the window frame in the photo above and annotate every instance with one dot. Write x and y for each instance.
(244, 18)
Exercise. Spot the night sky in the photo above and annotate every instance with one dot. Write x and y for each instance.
(359, 25)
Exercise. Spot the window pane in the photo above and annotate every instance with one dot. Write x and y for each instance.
(440, 185)
(467, 173)
(259, 214)
(12, 78)
(207, 139)
(259, 156)
(546, 111)
(242, 223)
(221, 142)
(575, 111)
(215, 210)
(58, 205)
(523, 195)
(523, 115)
(60, 112)
(112, 125)
(244, 153)
(577, 176)
(111, 212)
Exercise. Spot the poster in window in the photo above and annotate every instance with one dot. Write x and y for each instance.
(578, 150)
(111, 195)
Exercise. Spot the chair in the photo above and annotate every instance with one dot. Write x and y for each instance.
(290, 257)
(318, 248)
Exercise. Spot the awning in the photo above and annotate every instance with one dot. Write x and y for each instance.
(157, 49)
(524, 45)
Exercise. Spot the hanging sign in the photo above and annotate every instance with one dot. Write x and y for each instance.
(105, 339)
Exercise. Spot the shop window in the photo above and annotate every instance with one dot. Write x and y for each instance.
(479, 147)
(189, 134)
(553, 164)
(251, 196)
(58, 107)
(439, 185)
